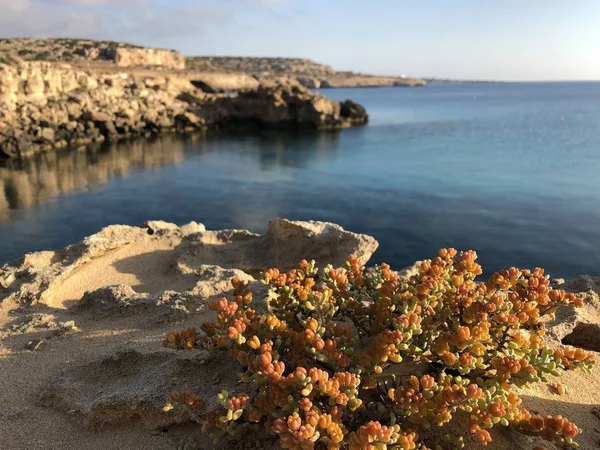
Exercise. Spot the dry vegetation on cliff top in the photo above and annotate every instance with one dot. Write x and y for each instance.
(104, 54)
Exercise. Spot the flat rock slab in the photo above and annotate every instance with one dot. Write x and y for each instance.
(133, 387)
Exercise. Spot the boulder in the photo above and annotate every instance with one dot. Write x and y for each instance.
(353, 112)
(160, 227)
(47, 135)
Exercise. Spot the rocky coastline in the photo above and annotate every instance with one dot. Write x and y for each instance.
(304, 71)
(46, 106)
(57, 93)
(81, 361)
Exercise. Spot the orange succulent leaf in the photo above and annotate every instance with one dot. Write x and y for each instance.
(355, 357)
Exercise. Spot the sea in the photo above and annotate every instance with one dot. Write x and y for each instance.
(510, 170)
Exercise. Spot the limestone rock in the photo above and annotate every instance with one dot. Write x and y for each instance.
(408, 272)
(311, 83)
(132, 387)
(353, 112)
(208, 258)
(214, 281)
(304, 71)
(223, 82)
(159, 226)
(48, 135)
(107, 300)
(127, 57)
(284, 245)
(84, 50)
(579, 326)
(42, 106)
(192, 228)
(45, 106)
(281, 105)
(322, 241)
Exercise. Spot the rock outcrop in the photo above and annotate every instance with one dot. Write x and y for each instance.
(352, 81)
(132, 387)
(136, 57)
(45, 106)
(112, 381)
(223, 82)
(194, 252)
(90, 372)
(282, 105)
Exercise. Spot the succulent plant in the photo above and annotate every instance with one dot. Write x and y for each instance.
(359, 358)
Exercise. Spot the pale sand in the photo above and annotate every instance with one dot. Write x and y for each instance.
(148, 267)
(23, 425)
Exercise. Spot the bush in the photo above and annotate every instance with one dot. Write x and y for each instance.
(358, 358)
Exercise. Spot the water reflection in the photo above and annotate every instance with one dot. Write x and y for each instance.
(279, 149)
(24, 184)
(33, 182)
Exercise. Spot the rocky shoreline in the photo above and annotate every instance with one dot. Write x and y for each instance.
(57, 93)
(304, 71)
(81, 362)
(45, 106)
(221, 72)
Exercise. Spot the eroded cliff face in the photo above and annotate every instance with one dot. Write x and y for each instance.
(304, 71)
(273, 104)
(85, 51)
(133, 57)
(44, 106)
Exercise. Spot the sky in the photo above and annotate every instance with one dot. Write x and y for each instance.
(460, 39)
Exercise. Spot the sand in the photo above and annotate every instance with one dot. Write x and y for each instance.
(151, 265)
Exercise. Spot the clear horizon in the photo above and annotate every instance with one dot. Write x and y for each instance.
(553, 40)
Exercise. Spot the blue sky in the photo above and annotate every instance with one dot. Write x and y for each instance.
(468, 39)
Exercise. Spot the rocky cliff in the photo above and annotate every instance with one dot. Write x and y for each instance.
(218, 73)
(305, 71)
(45, 106)
(274, 104)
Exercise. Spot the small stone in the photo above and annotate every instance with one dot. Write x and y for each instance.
(35, 344)
(7, 280)
(192, 228)
(48, 134)
(66, 327)
(160, 227)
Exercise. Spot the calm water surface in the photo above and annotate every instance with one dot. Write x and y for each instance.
(510, 170)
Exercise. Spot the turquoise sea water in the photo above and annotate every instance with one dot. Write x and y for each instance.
(510, 170)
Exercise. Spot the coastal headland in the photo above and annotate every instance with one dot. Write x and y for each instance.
(57, 93)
